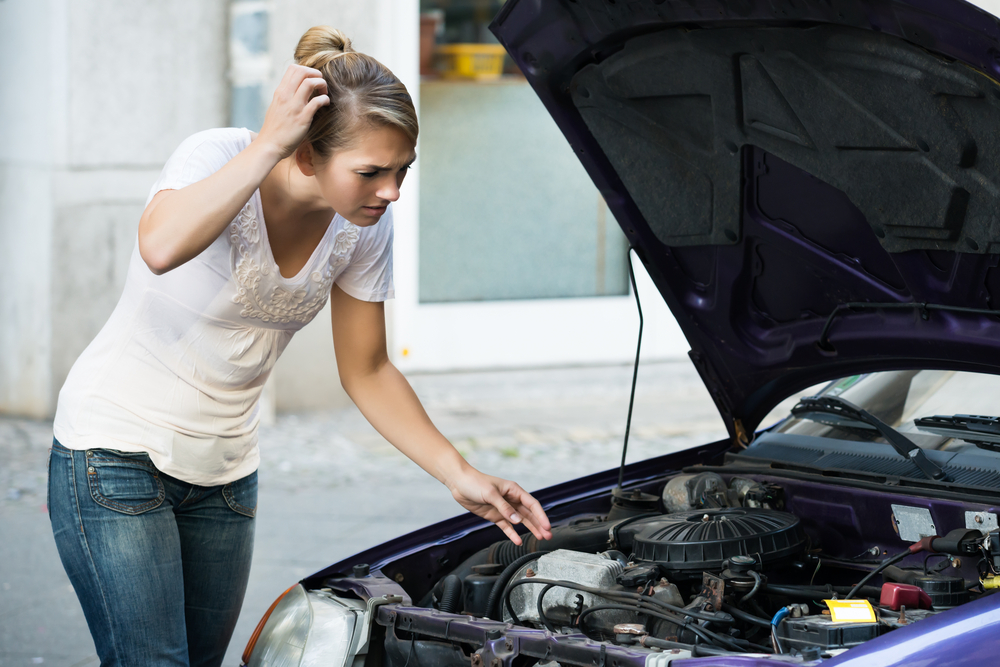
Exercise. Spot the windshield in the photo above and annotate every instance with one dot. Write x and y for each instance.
(898, 398)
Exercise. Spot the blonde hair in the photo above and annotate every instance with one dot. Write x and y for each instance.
(362, 92)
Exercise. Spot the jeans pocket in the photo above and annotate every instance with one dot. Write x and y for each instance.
(241, 495)
(125, 482)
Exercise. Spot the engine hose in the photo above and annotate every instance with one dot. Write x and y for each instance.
(451, 594)
(746, 617)
(811, 592)
(753, 591)
(506, 552)
(501, 583)
(884, 564)
(622, 596)
(704, 633)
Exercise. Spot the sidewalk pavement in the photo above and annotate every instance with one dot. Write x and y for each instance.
(330, 486)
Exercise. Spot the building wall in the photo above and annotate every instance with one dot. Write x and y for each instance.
(96, 94)
(94, 97)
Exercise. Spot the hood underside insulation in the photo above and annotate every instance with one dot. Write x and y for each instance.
(910, 137)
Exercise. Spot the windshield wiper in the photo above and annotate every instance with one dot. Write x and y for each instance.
(906, 447)
(982, 431)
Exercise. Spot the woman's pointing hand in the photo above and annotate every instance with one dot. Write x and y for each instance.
(501, 501)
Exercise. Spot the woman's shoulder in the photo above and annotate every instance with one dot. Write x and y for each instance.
(199, 156)
(226, 140)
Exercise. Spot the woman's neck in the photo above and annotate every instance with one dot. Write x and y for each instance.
(290, 196)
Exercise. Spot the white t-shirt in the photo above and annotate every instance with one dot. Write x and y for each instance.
(178, 369)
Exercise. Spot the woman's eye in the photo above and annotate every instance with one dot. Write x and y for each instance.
(367, 174)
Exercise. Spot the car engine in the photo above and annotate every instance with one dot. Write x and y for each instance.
(711, 566)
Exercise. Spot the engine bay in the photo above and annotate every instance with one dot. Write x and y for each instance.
(699, 564)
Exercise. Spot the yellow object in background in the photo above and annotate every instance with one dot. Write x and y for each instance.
(471, 61)
(990, 582)
(851, 611)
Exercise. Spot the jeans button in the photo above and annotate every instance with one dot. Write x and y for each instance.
(90, 468)
(89, 454)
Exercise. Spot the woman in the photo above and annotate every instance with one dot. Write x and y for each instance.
(152, 481)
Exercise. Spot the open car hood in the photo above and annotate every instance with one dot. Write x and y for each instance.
(773, 162)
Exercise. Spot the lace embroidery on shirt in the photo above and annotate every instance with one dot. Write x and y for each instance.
(276, 303)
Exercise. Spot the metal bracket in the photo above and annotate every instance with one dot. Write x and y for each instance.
(364, 636)
(914, 523)
(982, 521)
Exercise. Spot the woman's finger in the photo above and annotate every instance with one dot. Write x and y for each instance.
(310, 87)
(496, 498)
(315, 103)
(528, 507)
(296, 73)
(533, 509)
(509, 531)
(291, 79)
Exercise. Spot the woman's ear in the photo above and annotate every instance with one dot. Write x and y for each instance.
(304, 158)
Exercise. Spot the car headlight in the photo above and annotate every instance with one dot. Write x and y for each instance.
(306, 628)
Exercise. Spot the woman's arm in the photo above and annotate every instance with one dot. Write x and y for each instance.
(386, 399)
(177, 225)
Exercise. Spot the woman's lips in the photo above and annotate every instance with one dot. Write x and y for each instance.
(374, 210)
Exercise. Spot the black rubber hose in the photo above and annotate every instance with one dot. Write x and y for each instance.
(810, 592)
(886, 563)
(501, 583)
(628, 596)
(704, 633)
(451, 594)
(463, 570)
(506, 552)
(746, 617)
(757, 581)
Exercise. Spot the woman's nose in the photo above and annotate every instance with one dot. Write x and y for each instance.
(388, 190)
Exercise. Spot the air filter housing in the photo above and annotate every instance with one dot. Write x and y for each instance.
(688, 543)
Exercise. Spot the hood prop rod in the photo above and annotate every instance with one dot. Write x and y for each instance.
(635, 370)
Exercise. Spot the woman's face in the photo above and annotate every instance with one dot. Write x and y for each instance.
(359, 182)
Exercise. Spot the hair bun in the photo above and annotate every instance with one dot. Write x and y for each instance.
(321, 44)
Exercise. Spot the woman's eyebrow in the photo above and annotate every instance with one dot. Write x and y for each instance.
(376, 167)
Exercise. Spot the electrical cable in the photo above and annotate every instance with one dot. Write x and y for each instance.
(884, 564)
(626, 596)
(819, 562)
(928, 556)
(775, 622)
(705, 634)
(635, 370)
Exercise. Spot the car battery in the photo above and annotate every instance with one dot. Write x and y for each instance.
(821, 631)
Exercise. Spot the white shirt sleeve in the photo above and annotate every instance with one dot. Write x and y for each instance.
(198, 157)
(368, 277)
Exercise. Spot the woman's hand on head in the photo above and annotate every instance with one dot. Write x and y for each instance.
(501, 501)
(299, 96)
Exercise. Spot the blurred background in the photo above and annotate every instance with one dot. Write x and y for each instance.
(505, 257)
(513, 315)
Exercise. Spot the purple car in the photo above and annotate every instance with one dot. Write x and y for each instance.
(814, 188)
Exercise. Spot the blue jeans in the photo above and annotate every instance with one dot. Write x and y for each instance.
(160, 566)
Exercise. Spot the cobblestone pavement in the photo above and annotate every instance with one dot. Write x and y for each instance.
(330, 486)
